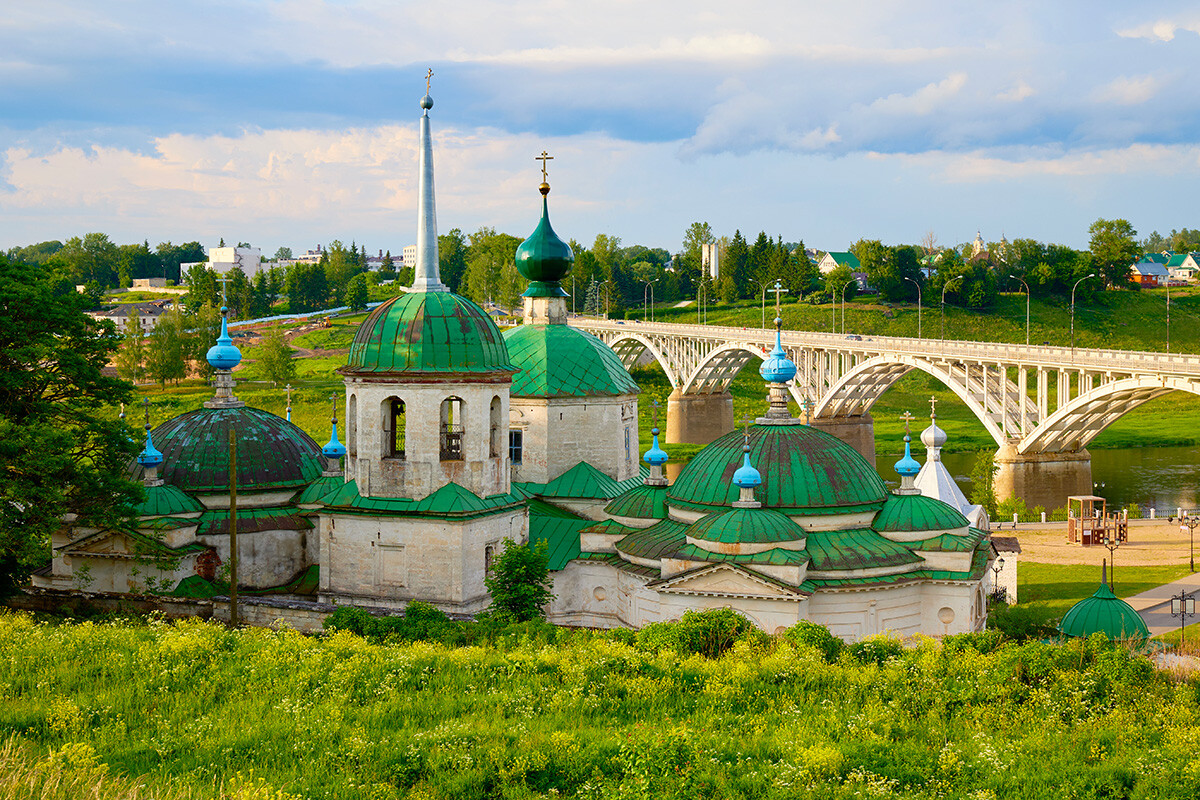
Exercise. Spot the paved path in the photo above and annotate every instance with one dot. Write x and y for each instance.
(1154, 605)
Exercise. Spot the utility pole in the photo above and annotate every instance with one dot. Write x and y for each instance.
(233, 542)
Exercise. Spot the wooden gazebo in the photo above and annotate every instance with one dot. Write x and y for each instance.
(1089, 523)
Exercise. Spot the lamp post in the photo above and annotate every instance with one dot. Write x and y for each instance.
(648, 292)
(1112, 543)
(914, 283)
(852, 280)
(946, 286)
(1183, 606)
(764, 285)
(1026, 285)
(1073, 288)
(997, 592)
(1190, 521)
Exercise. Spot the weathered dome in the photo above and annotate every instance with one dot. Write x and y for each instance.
(804, 471)
(915, 512)
(272, 453)
(544, 259)
(1105, 613)
(640, 502)
(560, 361)
(746, 526)
(428, 332)
(933, 436)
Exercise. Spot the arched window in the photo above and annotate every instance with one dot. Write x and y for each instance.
(393, 428)
(352, 426)
(495, 431)
(452, 429)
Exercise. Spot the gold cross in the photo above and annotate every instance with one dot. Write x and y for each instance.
(906, 417)
(778, 290)
(333, 400)
(289, 391)
(428, 75)
(746, 422)
(544, 157)
(122, 415)
(146, 408)
(932, 406)
(654, 411)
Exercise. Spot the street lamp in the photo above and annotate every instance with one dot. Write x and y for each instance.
(1190, 521)
(648, 292)
(998, 593)
(764, 285)
(946, 286)
(914, 283)
(1026, 285)
(852, 280)
(1183, 606)
(1112, 543)
(1073, 288)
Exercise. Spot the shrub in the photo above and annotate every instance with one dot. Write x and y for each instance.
(520, 580)
(811, 634)
(707, 633)
(1134, 511)
(876, 649)
(1058, 515)
(1019, 622)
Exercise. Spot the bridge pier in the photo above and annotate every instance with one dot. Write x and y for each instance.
(698, 418)
(857, 431)
(1042, 479)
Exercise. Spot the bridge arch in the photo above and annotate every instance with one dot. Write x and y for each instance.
(629, 348)
(856, 391)
(1073, 426)
(719, 367)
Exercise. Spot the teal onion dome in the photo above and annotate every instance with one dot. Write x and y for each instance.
(150, 456)
(777, 368)
(1105, 613)
(655, 456)
(544, 259)
(224, 354)
(333, 448)
(746, 476)
(907, 466)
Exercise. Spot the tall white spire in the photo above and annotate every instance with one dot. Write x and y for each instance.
(426, 278)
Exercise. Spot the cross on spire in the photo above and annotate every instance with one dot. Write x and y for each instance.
(746, 421)
(223, 280)
(146, 409)
(333, 401)
(428, 75)
(932, 406)
(289, 392)
(544, 157)
(906, 417)
(778, 290)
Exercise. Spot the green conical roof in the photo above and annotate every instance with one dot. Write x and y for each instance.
(804, 471)
(1105, 613)
(544, 259)
(915, 512)
(272, 453)
(746, 526)
(640, 502)
(428, 332)
(560, 361)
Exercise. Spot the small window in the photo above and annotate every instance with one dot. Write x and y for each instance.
(495, 431)
(516, 444)
(452, 429)
(628, 452)
(489, 558)
(393, 428)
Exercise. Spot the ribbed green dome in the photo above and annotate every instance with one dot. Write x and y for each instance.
(1105, 613)
(560, 361)
(272, 453)
(165, 500)
(544, 259)
(804, 471)
(640, 502)
(746, 526)
(428, 332)
(915, 512)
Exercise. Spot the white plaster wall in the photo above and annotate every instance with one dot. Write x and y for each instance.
(1006, 579)
(265, 558)
(422, 471)
(560, 432)
(854, 615)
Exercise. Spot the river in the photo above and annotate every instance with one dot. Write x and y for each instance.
(1165, 478)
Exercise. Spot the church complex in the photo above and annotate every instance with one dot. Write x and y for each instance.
(459, 437)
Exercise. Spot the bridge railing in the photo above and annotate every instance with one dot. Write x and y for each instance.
(1047, 356)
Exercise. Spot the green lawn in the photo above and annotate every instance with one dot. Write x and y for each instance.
(1049, 590)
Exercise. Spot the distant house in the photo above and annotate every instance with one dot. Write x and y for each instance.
(831, 261)
(148, 313)
(1183, 267)
(1150, 272)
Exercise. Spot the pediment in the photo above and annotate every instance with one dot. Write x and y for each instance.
(101, 543)
(725, 580)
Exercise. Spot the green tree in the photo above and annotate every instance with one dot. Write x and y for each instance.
(491, 274)
(452, 258)
(201, 330)
(166, 349)
(92, 258)
(836, 281)
(283, 254)
(387, 270)
(305, 287)
(520, 581)
(356, 293)
(735, 266)
(130, 359)
(983, 480)
(203, 288)
(239, 295)
(807, 275)
(275, 360)
(340, 265)
(1114, 250)
(62, 450)
(171, 256)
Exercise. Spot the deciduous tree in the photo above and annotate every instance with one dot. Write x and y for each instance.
(275, 357)
(520, 581)
(1114, 249)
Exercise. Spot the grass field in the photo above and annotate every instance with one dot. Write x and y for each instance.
(1049, 590)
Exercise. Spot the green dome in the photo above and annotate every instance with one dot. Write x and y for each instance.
(640, 502)
(544, 259)
(560, 361)
(428, 332)
(804, 471)
(746, 526)
(272, 453)
(915, 512)
(165, 500)
(1105, 613)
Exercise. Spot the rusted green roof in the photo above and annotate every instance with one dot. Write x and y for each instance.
(428, 332)
(805, 471)
(252, 520)
(609, 527)
(949, 542)
(612, 559)
(915, 512)
(167, 499)
(449, 502)
(1105, 613)
(658, 541)
(316, 491)
(775, 557)
(640, 502)
(559, 529)
(978, 563)
(550, 510)
(561, 361)
(582, 481)
(272, 453)
(855, 548)
(746, 525)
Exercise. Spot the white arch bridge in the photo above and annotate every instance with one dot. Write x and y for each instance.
(1041, 405)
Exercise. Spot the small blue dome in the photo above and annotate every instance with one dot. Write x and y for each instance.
(224, 354)
(746, 477)
(655, 456)
(777, 368)
(907, 466)
(333, 448)
(150, 456)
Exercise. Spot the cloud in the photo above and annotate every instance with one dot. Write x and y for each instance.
(1017, 93)
(925, 100)
(724, 47)
(1128, 91)
(1019, 164)
(1162, 30)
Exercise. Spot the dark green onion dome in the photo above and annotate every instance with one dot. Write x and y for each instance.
(544, 259)
(746, 526)
(165, 500)
(805, 471)
(560, 361)
(915, 512)
(1105, 613)
(428, 332)
(272, 453)
(640, 502)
